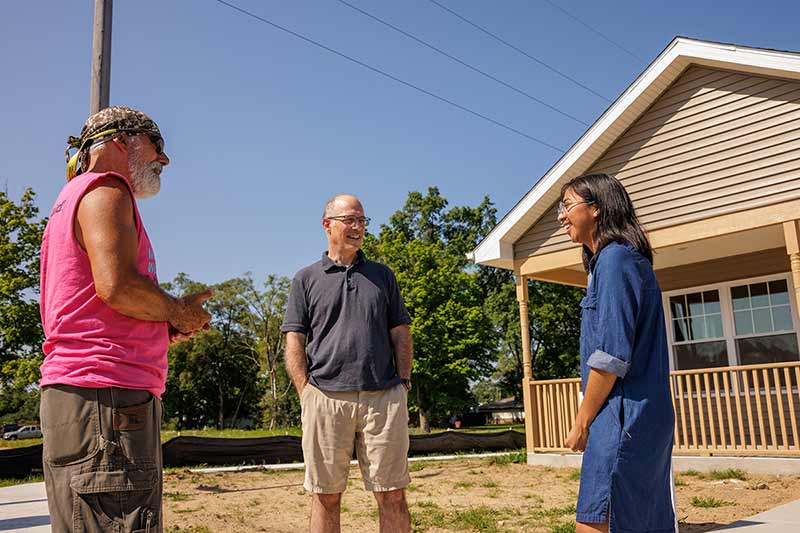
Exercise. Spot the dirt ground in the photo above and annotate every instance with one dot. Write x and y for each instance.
(483, 495)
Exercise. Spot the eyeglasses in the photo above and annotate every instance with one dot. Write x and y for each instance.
(157, 140)
(566, 208)
(352, 221)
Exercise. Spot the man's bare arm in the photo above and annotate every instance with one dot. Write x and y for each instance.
(403, 350)
(105, 227)
(295, 355)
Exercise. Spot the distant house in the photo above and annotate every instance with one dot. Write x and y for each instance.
(707, 142)
(504, 411)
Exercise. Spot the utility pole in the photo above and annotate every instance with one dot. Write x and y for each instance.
(101, 56)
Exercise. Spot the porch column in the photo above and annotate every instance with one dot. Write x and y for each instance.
(527, 374)
(791, 234)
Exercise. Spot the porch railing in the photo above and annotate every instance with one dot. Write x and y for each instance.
(739, 410)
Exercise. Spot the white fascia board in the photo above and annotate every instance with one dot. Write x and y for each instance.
(495, 253)
(778, 62)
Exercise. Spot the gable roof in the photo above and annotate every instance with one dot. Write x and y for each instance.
(497, 249)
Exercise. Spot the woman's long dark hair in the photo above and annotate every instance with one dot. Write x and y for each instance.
(617, 221)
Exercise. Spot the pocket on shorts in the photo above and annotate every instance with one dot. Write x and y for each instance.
(120, 500)
(137, 428)
(69, 425)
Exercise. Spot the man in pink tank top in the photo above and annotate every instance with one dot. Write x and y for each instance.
(107, 326)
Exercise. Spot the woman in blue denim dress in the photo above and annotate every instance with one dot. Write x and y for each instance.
(625, 422)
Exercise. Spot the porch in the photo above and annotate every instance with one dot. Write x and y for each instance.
(741, 410)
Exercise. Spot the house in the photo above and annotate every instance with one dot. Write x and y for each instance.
(707, 142)
(504, 411)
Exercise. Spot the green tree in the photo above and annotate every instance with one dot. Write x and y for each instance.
(20, 323)
(266, 307)
(212, 378)
(425, 245)
(554, 318)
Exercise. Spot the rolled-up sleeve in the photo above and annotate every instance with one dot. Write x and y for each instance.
(618, 286)
(296, 318)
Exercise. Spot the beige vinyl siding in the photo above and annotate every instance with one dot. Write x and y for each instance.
(743, 266)
(715, 142)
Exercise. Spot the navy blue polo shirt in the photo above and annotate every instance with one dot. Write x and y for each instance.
(346, 314)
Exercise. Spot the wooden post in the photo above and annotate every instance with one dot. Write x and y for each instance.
(527, 374)
(791, 234)
(101, 56)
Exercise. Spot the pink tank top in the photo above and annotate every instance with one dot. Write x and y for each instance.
(88, 344)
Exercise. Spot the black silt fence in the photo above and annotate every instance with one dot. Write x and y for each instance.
(193, 451)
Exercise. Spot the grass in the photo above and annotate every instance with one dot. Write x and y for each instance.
(519, 457)
(555, 519)
(24, 443)
(176, 496)
(7, 482)
(554, 512)
(480, 518)
(188, 529)
(167, 434)
(489, 485)
(416, 466)
(680, 483)
(730, 473)
(575, 475)
(707, 503)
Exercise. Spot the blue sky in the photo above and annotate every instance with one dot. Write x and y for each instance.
(262, 128)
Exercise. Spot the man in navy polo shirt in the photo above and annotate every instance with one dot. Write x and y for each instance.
(348, 352)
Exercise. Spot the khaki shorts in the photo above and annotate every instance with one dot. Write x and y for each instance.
(375, 422)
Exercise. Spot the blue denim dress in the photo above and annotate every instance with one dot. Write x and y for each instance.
(626, 475)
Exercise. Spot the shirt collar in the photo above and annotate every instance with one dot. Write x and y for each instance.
(328, 264)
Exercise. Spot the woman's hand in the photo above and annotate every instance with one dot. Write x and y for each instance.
(576, 440)
(598, 387)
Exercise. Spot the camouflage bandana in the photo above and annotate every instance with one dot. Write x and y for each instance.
(107, 122)
(114, 118)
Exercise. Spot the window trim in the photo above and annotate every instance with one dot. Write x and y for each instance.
(726, 309)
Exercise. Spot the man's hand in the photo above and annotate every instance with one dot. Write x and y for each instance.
(176, 337)
(190, 316)
(576, 440)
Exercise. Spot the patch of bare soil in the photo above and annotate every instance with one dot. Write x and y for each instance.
(474, 495)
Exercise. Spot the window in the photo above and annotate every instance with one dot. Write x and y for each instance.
(743, 322)
(697, 335)
(763, 322)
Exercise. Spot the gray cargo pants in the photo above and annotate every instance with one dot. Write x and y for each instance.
(102, 459)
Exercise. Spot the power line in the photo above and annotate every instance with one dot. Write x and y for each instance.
(517, 49)
(598, 32)
(464, 63)
(390, 76)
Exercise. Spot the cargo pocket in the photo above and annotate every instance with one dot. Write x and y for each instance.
(124, 501)
(70, 426)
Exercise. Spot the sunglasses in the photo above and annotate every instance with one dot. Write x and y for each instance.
(157, 140)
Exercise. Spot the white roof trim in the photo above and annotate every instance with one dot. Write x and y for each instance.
(497, 248)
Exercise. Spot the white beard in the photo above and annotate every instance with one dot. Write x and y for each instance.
(145, 178)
